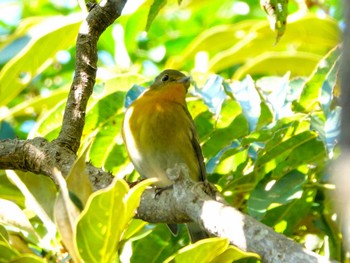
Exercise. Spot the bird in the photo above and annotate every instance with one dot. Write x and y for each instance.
(159, 132)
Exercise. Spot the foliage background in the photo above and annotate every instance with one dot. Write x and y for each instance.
(267, 115)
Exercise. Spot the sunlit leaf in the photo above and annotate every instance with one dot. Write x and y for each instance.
(7, 254)
(213, 93)
(77, 180)
(280, 63)
(37, 105)
(230, 126)
(66, 215)
(249, 99)
(34, 199)
(277, 12)
(275, 92)
(19, 71)
(11, 215)
(28, 259)
(233, 254)
(102, 223)
(220, 251)
(310, 96)
(253, 44)
(154, 10)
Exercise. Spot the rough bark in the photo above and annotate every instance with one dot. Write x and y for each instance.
(187, 202)
(100, 17)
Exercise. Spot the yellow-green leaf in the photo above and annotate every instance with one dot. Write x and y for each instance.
(77, 180)
(104, 220)
(198, 252)
(33, 58)
(277, 12)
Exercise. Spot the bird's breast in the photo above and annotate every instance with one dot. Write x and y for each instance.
(156, 134)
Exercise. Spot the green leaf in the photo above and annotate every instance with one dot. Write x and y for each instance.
(37, 105)
(277, 12)
(279, 63)
(77, 180)
(322, 34)
(136, 229)
(38, 194)
(66, 215)
(28, 259)
(266, 116)
(12, 215)
(10, 192)
(286, 218)
(231, 160)
(275, 153)
(212, 40)
(18, 72)
(231, 125)
(198, 252)
(310, 97)
(104, 220)
(159, 244)
(154, 10)
(219, 248)
(7, 254)
(50, 123)
(233, 254)
(273, 193)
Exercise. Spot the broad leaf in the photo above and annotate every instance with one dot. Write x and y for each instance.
(104, 220)
(43, 45)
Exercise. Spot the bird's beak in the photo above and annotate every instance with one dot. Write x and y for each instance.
(185, 81)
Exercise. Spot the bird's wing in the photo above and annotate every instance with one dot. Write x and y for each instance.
(196, 146)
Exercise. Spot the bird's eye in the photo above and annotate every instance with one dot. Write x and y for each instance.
(165, 77)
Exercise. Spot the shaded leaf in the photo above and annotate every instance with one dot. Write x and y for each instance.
(272, 192)
(159, 244)
(286, 218)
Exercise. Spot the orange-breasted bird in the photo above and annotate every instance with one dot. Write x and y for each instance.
(159, 132)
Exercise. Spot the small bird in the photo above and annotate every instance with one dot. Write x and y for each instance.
(159, 132)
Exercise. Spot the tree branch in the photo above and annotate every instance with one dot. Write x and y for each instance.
(100, 17)
(187, 202)
(40, 156)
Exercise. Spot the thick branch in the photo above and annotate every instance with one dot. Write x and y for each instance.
(187, 202)
(41, 157)
(100, 17)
